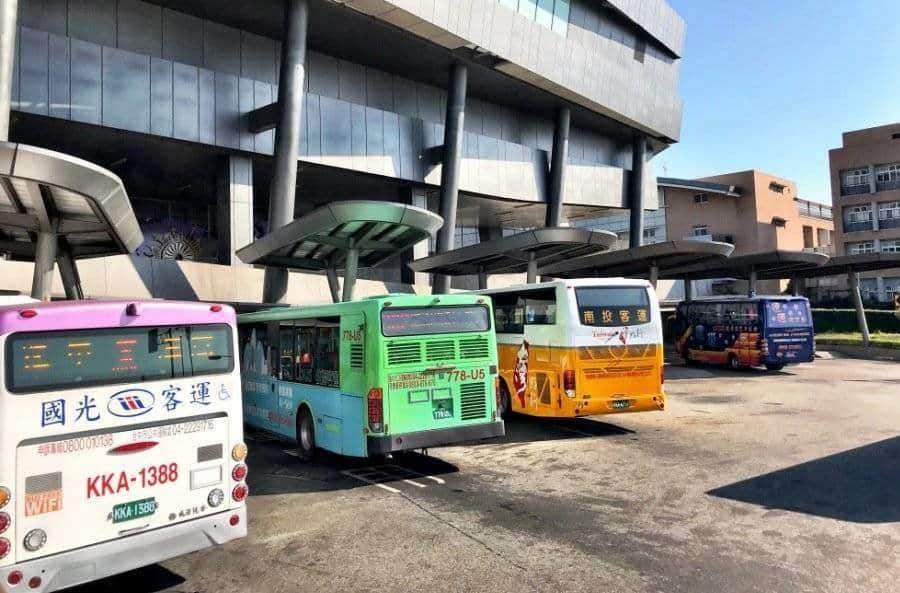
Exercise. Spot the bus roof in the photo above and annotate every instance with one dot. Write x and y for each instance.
(733, 298)
(575, 283)
(332, 309)
(71, 315)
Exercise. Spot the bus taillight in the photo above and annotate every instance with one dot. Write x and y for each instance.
(4, 496)
(239, 472)
(4, 547)
(376, 409)
(240, 492)
(4, 522)
(569, 382)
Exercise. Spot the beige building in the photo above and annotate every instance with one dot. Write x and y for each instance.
(865, 190)
(753, 210)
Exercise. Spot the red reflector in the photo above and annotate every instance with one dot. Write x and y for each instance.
(234, 520)
(240, 492)
(14, 578)
(4, 547)
(215, 308)
(4, 522)
(34, 582)
(376, 410)
(28, 313)
(132, 448)
(569, 380)
(239, 472)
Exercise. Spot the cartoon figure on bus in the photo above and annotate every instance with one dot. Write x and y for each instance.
(520, 376)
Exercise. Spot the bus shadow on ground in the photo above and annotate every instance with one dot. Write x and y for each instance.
(274, 470)
(149, 579)
(525, 429)
(858, 485)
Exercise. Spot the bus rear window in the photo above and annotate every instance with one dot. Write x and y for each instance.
(43, 361)
(421, 321)
(611, 306)
(787, 314)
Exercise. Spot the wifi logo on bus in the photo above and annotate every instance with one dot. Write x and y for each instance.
(130, 403)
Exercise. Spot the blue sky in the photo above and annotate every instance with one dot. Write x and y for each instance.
(771, 84)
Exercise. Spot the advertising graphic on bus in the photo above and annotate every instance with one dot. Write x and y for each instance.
(579, 347)
(121, 437)
(374, 376)
(770, 331)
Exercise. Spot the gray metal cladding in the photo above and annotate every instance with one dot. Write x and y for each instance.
(86, 94)
(161, 98)
(126, 90)
(140, 27)
(186, 106)
(181, 41)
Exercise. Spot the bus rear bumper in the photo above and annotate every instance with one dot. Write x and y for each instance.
(91, 563)
(436, 437)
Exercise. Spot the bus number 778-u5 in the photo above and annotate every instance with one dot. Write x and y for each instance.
(146, 477)
(463, 374)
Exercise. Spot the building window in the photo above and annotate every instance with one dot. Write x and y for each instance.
(701, 199)
(890, 246)
(700, 230)
(889, 211)
(777, 187)
(857, 214)
(855, 181)
(887, 177)
(860, 247)
(892, 287)
(553, 14)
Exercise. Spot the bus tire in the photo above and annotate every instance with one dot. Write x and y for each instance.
(774, 366)
(733, 363)
(505, 401)
(306, 435)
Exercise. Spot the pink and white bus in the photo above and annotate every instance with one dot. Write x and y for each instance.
(121, 438)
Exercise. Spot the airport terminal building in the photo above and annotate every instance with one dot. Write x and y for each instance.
(507, 114)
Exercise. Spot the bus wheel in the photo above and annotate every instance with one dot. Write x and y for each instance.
(774, 366)
(306, 435)
(505, 402)
(734, 364)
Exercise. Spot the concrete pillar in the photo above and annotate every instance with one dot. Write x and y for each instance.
(531, 274)
(44, 262)
(235, 207)
(875, 225)
(414, 196)
(688, 290)
(453, 140)
(558, 167)
(8, 15)
(282, 193)
(796, 286)
(636, 191)
(752, 283)
(333, 284)
(351, 269)
(654, 275)
(873, 187)
(482, 280)
(860, 310)
(71, 279)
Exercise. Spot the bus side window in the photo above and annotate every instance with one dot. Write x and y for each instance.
(508, 313)
(286, 351)
(328, 353)
(540, 307)
(303, 359)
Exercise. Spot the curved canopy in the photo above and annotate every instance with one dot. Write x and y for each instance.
(844, 264)
(323, 238)
(512, 254)
(83, 205)
(765, 265)
(637, 261)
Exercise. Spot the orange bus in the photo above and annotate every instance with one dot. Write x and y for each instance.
(584, 347)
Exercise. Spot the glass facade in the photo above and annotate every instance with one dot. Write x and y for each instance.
(553, 14)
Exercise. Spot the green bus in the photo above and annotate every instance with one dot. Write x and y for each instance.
(373, 376)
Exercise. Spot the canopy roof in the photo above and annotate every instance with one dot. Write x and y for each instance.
(864, 262)
(321, 239)
(637, 261)
(512, 254)
(86, 206)
(767, 265)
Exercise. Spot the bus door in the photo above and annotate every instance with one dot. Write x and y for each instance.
(545, 353)
(354, 385)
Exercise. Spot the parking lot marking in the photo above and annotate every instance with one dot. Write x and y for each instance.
(291, 452)
(381, 475)
(414, 483)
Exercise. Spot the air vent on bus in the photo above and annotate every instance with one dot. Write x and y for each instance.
(440, 350)
(472, 401)
(356, 356)
(404, 352)
(474, 348)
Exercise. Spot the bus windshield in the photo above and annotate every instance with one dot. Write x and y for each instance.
(420, 321)
(63, 359)
(787, 313)
(613, 306)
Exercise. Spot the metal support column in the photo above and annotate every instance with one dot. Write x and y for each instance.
(351, 268)
(68, 272)
(558, 167)
(333, 285)
(654, 275)
(752, 283)
(44, 262)
(482, 279)
(796, 289)
(531, 274)
(636, 191)
(453, 139)
(282, 192)
(8, 14)
(688, 290)
(860, 310)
